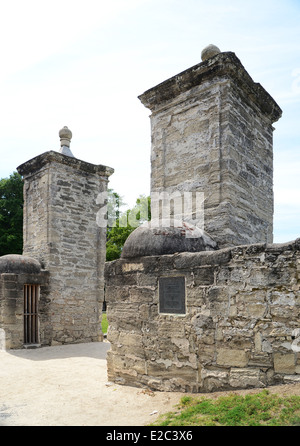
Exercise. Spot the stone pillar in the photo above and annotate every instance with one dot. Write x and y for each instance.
(61, 232)
(211, 131)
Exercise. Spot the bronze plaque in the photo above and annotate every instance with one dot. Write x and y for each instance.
(172, 295)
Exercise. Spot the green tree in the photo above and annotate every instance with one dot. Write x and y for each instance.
(11, 215)
(120, 223)
(120, 227)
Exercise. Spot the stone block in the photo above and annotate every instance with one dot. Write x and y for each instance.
(212, 380)
(284, 363)
(203, 276)
(246, 377)
(231, 357)
(129, 267)
(166, 369)
(256, 310)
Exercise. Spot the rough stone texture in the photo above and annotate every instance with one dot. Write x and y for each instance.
(211, 131)
(152, 240)
(60, 231)
(18, 264)
(12, 299)
(240, 330)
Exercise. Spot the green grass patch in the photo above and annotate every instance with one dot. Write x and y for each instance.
(260, 409)
(104, 323)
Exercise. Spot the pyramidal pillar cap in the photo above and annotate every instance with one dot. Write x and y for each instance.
(65, 135)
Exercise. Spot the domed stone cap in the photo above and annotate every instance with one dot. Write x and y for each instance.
(152, 240)
(209, 51)
(65, 133)
(18, 264)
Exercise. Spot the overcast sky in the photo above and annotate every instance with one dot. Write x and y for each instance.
(82, 63)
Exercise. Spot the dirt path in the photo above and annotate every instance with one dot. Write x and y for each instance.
(67, 386)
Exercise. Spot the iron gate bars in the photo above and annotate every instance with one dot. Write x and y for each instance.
(31, 299)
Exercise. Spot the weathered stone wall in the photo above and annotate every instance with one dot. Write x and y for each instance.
(61, 232)
(12, 307)
(211, 132)
(241, 327)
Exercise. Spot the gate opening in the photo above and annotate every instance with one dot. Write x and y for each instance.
(31, 326)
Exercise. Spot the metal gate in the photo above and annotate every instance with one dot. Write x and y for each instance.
(31, 300)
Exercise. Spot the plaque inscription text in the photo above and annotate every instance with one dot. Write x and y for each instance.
(172, 295)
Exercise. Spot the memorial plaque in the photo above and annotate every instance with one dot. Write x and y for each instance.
(172, 295)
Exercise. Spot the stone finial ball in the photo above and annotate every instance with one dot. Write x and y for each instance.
(209, 51)
(65, 133)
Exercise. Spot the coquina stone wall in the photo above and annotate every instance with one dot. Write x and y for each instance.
(240, 328)
(212, 133)
(61, 232)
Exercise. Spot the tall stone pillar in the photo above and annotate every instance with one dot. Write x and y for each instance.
(61, 232)
(211, 129)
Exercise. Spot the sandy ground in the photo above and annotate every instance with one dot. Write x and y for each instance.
(67, 386)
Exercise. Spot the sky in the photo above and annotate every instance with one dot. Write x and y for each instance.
(83, 64)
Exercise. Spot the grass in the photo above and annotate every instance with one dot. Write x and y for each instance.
(104, 323)
(260, 409)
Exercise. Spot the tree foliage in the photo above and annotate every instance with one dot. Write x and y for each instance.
(11, 215)
(120, 227)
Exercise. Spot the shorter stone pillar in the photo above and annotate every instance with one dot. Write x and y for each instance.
(61, 231)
